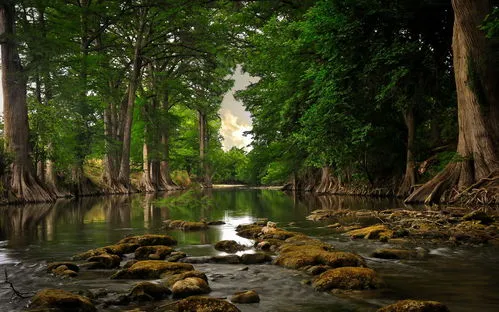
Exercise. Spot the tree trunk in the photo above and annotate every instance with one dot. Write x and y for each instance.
(23, 183)
(476, 78)
(410, 168)
(325, 184)
(203, 144)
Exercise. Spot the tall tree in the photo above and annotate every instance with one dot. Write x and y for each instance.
(477, 78)
(23, 182)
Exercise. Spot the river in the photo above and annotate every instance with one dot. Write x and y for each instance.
(464, 278)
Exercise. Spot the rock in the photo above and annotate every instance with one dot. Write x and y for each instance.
(216, 223)
(63, 270)
(130, 263)
(415, 306)
(176, 256)
(152, 252)
(228, 259)
(89, 253)
(69, 265)
(317, 269)
(149, 240)
(248, 230)
(230, 246)
(177, 277)
(147, 291)
(60, 300)
(296, 257)
(185, 225)
(121, 249)
(247, 296)
(480, 216)
(205, 304)
(108, 261)
(347, 278)
(379, 231)
(255, 258)
(190, 286)
(394, 253)
(152, 269)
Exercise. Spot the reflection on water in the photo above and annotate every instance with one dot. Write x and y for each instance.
(34, 234)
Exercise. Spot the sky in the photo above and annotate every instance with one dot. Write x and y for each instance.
(235, 120)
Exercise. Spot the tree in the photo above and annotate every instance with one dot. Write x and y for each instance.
(23, 183)
(476, 76)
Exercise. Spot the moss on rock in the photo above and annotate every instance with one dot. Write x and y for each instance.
(255, 258)
(152, 269)
(185, 225)
(153, 252)
(69, 265)
(205, 304)
(177, 277)
(149, 240)
(379, 231)
(147, 291)
(230, 246)
(190, 286)
(415, 306)
(60, 300)
(347, 278)
(395, 253)
(247, 296)
(108, 261)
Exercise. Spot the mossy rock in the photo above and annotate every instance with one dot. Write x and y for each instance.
(247, 296)
(185, 225)
(121, 249)
(153, 252)
(147, 291)
(395, 253)
(276, 233)
(89, 253)
(108, 261)
(230, 246)
(347, 278)
(60, 300)
(63, 270)
(379, 231)
(255, 258)
(205, 304)
(69, 265)
(149, 269)
(149, 240)
(302, 240)
(415, 306)
(296, 257)
(480, 216)
(190, 286)
(177, 277)
(248, 230)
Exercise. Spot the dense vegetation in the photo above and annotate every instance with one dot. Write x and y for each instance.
(352, 97)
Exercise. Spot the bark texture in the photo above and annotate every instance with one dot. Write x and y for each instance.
(410, 170)
(476, 76)
(23, 183)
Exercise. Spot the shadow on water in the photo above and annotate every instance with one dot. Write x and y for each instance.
(32, 235)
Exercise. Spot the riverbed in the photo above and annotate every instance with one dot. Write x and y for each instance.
(463, 278)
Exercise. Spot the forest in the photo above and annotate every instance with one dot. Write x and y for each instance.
(371, 97)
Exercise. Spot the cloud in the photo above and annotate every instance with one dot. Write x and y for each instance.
(232, 131)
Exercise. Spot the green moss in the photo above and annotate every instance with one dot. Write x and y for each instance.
(153, 252)
(379, 231)
(60, 300)
(148, 291)
(205, 304)
(149, 240)
(347, 278)
(415, 306)
(177, 277)
(152, 269)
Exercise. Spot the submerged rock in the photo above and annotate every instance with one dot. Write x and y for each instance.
(149, 240)
(63, 270)
(394, 253)
(205, 304)
(415, 306)
(247, 296)
(152, 269)
(147, 291)
(347, 278)
(255, 258)
(106, 260)
(60, 300)
(69, 265)
(230, 246)
(218, 222)
(379, 231)
(190, 286)
(153, 252)
(185, 225)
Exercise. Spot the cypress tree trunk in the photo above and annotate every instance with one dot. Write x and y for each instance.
(476, 76)
(410, 169)
(23, 183)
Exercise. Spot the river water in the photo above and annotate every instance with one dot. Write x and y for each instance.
(464, 278)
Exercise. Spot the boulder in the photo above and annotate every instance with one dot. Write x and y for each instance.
(379, 231)
(190, 286)
(176, 256)
(415, 306)
(149, 269)
(60, 300)
(177, 277)
(147, 291)
(255, 258)
(247, 296)
(248, 230)
(119, 249)
(108, 261)
(69, 265)
(149, 240)
(63, 270)
(347, 278)
(153, 252)
(230, 246)
(205, 304)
